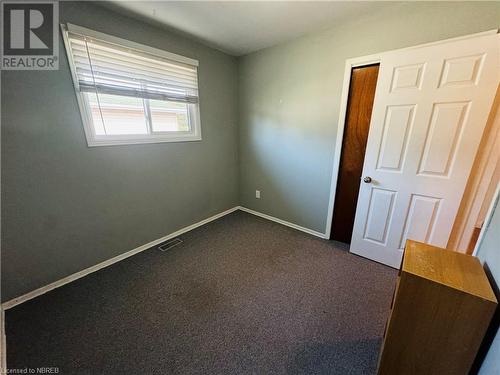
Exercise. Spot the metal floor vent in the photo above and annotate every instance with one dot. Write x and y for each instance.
(169, 244)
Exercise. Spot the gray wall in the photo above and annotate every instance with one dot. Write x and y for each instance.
(489, 254)
(65, 206)
(289, 101)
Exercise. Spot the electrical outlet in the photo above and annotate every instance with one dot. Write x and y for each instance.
(257, 194)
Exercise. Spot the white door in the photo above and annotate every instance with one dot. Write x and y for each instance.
(429, 113)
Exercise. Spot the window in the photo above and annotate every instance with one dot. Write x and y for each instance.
(131, 93)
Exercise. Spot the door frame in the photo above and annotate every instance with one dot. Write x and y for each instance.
(487, 220)
(481, 184)
(349, 65)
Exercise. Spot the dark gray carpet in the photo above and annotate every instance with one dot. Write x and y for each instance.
(241, 295)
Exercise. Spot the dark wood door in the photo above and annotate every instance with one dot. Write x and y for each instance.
(357, 123)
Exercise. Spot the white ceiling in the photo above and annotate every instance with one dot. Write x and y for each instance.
(241, 27)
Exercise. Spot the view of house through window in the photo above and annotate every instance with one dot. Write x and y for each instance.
(168, 116)
(115, 115)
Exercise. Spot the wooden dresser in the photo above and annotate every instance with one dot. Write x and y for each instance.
(442, 306)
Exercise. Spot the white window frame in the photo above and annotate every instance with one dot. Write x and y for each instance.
(154, 137)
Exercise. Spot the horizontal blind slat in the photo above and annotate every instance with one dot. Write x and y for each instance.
(121, 91)
(109, 55)
(104, 76)
(87, 77)
(117, 70)
(136, 55)
(102, 68)
(82, 57)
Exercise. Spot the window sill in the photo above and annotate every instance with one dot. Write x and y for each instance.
(95, 142)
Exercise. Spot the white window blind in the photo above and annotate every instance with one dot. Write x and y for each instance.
(106, 68)
(113, 69)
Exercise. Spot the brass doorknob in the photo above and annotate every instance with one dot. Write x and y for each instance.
(367, 179)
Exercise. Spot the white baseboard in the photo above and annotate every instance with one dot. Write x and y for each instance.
(3, 344)
(283, 222)
(37, 292)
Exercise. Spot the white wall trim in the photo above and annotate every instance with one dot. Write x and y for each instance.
(3, 343)
(349, 65)
(283, 222)
(481, 179)
(487, 221)
(38, 292)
